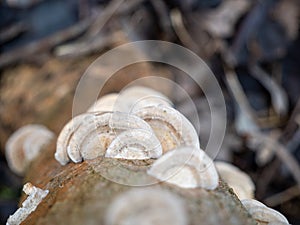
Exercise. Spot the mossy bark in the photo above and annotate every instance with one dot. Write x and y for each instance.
(80, 193)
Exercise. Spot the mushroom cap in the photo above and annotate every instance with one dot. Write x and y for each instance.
(86, 134)
(136, 97)
(25, 144)
(186, 167)
(238, 180)
(170, 126)
(145, 207)
(263, 214)
(135, 144)
(64, 137)
(104, 103)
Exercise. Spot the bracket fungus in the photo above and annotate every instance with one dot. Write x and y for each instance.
(263, 214)
(88, 136)
(135, 144)
(186, 167)
(238, 180)
(136, 97)
(35, 196)
(145, 207)
(170, 126)
(25, 144)
(63, 139)
(105, 103)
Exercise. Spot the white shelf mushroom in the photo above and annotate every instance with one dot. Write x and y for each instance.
(25, 144)
(238, 180)
(35, 196)
(263, 214)
(186, 167)
(64, 137)
(136, 97)
(135, 144)
(170, 126)
(89, 135)
(145, 207)
(105, 103)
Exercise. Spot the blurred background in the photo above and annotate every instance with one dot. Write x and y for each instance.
(252, 46)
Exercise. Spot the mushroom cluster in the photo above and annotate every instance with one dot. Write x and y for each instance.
(141, 124)
(113, 134)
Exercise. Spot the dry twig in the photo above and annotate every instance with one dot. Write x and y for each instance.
(245, 121)
(181, 31)
(278, 96)
(90, 41)
(281, 151)
(45, 44)
(283, 196)
(12, 31)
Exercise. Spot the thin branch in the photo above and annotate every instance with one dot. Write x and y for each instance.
(88, 41)
(245, 121)
(278, 95)
(237, 91)
(164, 18)
(282, 153)
(103, 17)
(11, 32)
(181, 31)
(292, 125)
(91, 25)
(283, 196)
(79, 49)
(45, 44)
(114, 8)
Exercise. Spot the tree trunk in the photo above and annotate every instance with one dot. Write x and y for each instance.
(80, 194)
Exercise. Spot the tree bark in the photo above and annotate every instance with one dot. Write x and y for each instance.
(80, 194)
